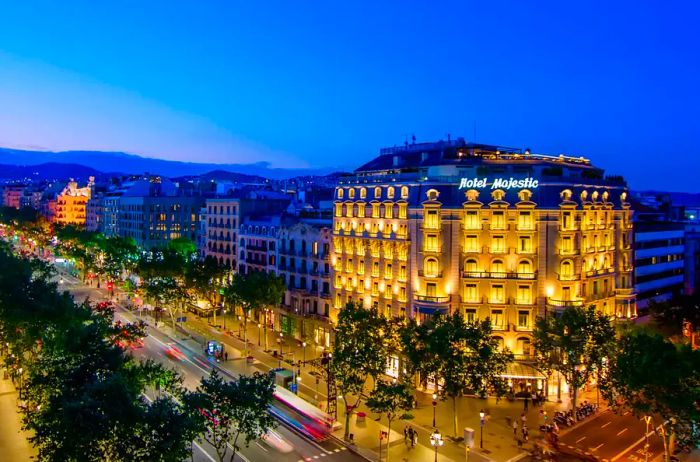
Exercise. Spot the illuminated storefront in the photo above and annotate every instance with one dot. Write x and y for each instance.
(490, 232)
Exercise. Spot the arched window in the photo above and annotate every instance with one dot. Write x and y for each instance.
(567, 269)
(341, 193)
(363, 193)
(471, 266)
(377, 192)
(524, 267)
(404, 192)
(390, 192)
(498, 269)
(431, 267)
(351, 193)
(523, 346)
(499, 342)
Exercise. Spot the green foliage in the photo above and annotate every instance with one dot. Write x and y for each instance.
(203, 277)
(391, 398)
(360, 352)
(652, 376)
(229, 411)
(83, 394)
(574, 343)
(461, 356)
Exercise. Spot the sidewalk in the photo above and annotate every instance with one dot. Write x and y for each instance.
(13, 440)
(499, 443)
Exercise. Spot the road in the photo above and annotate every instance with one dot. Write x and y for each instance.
(614, 438)
(193, 365)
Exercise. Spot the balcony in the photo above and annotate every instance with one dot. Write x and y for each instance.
(569, 252)
(498, 275)
(568, 277)
(472, 249)
(427, 275)
(431, 298)
(564, 303)
(432, 249)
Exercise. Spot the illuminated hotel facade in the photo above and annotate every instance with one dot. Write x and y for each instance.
(490, 232)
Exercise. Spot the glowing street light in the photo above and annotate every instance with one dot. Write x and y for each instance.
(436, 441)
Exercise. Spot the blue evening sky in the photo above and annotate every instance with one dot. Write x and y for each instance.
(328, 83)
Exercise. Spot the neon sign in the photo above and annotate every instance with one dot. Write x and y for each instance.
(499, 183)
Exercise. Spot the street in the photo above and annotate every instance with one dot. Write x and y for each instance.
(284, 445)
(614, 438)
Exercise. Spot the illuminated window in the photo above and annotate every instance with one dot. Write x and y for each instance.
(402, 272)
(404, 192)
(567, 269)
(498, 294)
(525, 244)
(497, 319)
(431, 289)
(498, 220)
(471, 293)
(431, 267)
(525, 220)
(471, 266)
(498, 269)
(498, 244)
(361, 210)
(341, 193)
(377, 192)
(375, 269)
(388, 271)
(390, 192)
(375, 210)
(348, 210)
(402, 210)
(471, 243)
(375, 289)
(431, 243)
(470, 315)
(431, 219)
(363, 193)
(471, 220)
(361, 286)
(567, 221)
(402, 294)
(524, 267)
(388, 209)
(523, 319)
(567, 246)
(351, 193)
(349, 266)
(361, 266)
(402, 231)
(524, 295)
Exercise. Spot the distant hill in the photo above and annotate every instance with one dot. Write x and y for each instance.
(49, 171)
(105, 161)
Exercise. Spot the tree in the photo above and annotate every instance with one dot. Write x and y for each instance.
(232, 410)
(575, 344)
(252, 291)
(360, 353)
(203, 277)
(390, 398)
(654, 377)
(459, 356)
(167, 293)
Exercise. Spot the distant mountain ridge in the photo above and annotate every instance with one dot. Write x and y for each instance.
(106, 161)
(50, 171)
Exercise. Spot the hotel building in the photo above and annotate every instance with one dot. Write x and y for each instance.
(491, 232)
(71, 203)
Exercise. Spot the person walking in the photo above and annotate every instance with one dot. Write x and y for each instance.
(525, 402)
(405, 434)
(515, 427)
(526, 434)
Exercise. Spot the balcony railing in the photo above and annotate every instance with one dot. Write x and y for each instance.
(498, 275)
(568, 277)
(431, 298)
(564, 303)
(430, 275)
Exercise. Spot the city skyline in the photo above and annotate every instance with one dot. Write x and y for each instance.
(316, 87)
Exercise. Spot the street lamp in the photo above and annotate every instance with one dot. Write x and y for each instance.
(482, 414)
(436, 441)
(259, 326)
(239, 326)
(303, 344)
(549, 292)
(434, 407)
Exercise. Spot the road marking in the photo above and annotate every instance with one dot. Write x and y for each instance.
(204, 452)
(621, 431)
(603, 426)
(261, 446)
(597, 447)
(580, 439)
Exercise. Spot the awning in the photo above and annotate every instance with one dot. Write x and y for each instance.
(517, 370)
(431, 310)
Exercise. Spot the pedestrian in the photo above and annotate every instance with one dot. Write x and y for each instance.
(411, 435)
(225, 355)
(405, 434)
(523, 417)
(525, 403)
(515, 427)
(525, 433)
(415, 439)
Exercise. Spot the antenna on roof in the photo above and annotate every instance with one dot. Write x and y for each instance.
(413, 138)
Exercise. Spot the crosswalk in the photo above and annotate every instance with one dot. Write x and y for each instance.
(322, 455)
